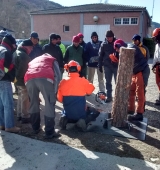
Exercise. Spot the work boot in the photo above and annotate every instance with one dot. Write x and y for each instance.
(25, 120)
(36, 131)
(157, 102)
(13, 129)
(130, 113)
(108, 99)
(135, 117)
(63, 122)
(54, 135)
(81, 124)
(2, 128)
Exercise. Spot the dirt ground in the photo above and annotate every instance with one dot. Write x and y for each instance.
(146, 150)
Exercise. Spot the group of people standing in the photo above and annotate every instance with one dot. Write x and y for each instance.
(36, 69)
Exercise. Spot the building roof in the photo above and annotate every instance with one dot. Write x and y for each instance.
(99, 7)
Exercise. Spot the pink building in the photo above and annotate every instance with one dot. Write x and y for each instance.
(124, 21)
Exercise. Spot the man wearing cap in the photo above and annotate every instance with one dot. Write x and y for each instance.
(62, 46)
(75, 52)
(92, 49)
(37, 49)
(110, 67)
(135, 111)
(83, 44)
(7, 75)
(54, 50)
(137, 41)
(21, 60)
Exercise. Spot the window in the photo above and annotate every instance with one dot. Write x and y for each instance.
(134, 20)
(126, 21)
(117, 21)
(65, 28)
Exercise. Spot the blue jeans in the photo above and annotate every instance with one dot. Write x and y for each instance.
(6, 105)
(109, 72)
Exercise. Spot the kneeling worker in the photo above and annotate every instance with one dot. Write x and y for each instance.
(71, 92)
(43, 75)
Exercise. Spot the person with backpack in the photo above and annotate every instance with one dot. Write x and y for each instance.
(7, 75)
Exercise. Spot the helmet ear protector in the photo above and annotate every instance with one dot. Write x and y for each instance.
(72, 66)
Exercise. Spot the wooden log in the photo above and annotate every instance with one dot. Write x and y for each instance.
(123, 83)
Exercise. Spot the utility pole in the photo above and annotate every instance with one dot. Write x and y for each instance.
(153, 9)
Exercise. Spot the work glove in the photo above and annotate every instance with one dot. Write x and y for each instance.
(113, 58)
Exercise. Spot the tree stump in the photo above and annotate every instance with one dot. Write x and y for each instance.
(123, 83)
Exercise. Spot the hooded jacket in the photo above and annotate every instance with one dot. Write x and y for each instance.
(92, 50)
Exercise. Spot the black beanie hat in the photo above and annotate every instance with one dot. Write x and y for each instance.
(52, 36)
(9, 38)
(109, 33)
(27, 42)
(94, 34)
(58, 36)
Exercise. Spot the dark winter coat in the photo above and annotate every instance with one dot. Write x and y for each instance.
(105, 50)
(54, 51)
(21, 60)
(36, 52)
(92, 50)
(140, 61)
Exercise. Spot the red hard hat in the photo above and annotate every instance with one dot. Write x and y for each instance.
(156, 32)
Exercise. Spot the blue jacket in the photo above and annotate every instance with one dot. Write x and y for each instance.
(36, 52)
(140, 61)
(92, 50)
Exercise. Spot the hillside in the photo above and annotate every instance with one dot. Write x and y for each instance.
(14, 14)
(156, 24)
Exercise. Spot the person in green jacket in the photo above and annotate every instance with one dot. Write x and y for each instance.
(62, 46)
(75, 52)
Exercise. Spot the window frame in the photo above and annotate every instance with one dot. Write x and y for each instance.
(130, 18)
(64, 28)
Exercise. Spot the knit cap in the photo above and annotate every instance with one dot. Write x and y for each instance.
(75, 39)
(94, 34)
(109, 33)
(136, 37)
(27, 42)
(119, 43)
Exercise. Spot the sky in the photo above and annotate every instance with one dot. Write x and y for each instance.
(144, 3)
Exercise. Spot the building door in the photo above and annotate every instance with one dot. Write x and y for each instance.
(100, 29)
